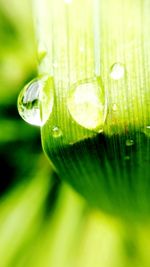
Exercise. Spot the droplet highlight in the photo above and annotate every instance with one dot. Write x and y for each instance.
(56, 132)
(35, 101)
(117, 71)
(87, 104)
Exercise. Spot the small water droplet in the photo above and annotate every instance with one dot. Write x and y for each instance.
(117, 71)
(87, 104)
(129, 142)
(35, 101)
(56, 132)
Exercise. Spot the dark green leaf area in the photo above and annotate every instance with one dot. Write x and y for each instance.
(111, 174)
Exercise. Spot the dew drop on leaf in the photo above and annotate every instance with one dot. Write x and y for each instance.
(35, 101)
(87, 104)
(117, 71)
(56, 132)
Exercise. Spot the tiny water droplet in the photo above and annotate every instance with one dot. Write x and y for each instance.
(129, 142)
(117, 71)
(87, 104)
(35, 101)
(56, 132)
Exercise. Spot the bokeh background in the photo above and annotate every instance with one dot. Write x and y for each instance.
(43, 222)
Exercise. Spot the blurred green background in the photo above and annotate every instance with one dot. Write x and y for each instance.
(43, 222)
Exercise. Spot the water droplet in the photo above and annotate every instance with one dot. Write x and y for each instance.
(56, 132)
(87, 104)
(117, 71)
(35, 101)
(129, 142)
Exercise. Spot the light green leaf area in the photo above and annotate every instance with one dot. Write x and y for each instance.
(17, 48)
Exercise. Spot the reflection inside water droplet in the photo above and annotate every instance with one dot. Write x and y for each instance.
(35, 101)
(87, 104)
(56, 132)
(117, 71)
(129, 142)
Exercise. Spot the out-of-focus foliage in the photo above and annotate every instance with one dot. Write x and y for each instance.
(17, 47)
(18, 64)
(42, 222)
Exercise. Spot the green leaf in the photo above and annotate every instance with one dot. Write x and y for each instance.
(106, 167)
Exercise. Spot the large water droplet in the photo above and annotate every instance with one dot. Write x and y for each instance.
(87, 104)
(117, 71)
(35, 101)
